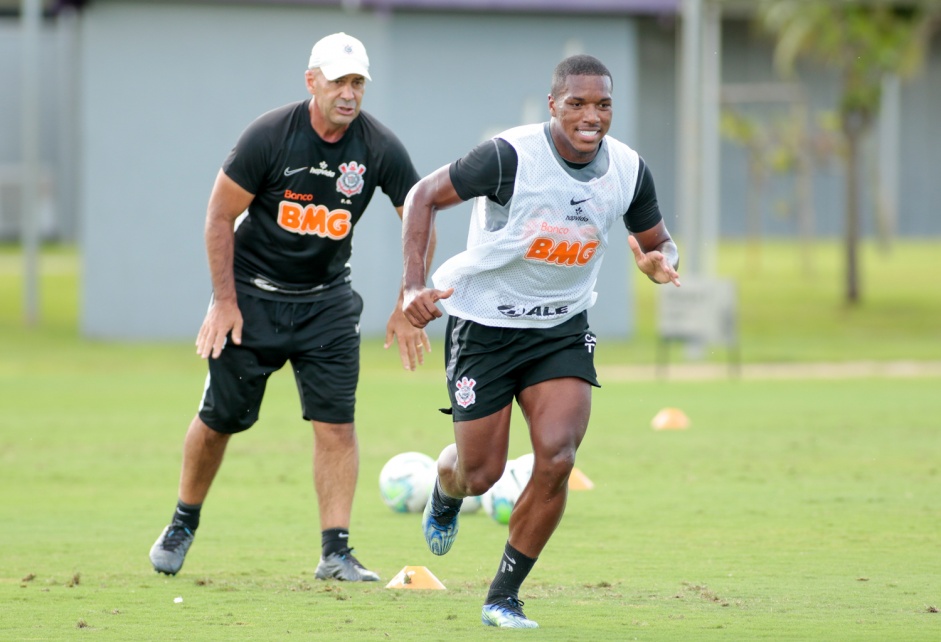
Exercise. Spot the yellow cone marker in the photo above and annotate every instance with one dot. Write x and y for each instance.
(670, 419)
(415, 577)
(579, 480)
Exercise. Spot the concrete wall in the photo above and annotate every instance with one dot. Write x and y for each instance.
(57, 220)
(919, 182)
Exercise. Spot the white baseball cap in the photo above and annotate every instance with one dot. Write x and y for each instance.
(338, 55)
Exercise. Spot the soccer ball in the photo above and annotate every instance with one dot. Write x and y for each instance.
(523, 468)
(406, 481)
(470, 505)
(498, 502)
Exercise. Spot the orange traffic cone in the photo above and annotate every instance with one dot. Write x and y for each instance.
(415, 577)
(579, 480)
(670, 419)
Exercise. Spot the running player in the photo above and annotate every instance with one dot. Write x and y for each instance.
(546, 196)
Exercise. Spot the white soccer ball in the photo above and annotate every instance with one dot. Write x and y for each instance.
(406, 481)
(523, 468)
(470, 505)
(498, 502)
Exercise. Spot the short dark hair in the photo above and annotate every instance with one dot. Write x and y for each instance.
(578, 65)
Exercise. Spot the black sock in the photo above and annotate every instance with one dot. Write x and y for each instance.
(334, 540)
(443, 499)
(187, 514)
(514, 567)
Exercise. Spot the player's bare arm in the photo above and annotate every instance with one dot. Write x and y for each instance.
(413, 341)
(430, 194)
(655, 254)
(227, 201)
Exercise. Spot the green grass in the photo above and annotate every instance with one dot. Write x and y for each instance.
(790, 510)
(792, 309)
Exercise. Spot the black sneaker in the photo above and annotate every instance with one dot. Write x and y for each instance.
(506, 612)
(169, 551)
(343, 566)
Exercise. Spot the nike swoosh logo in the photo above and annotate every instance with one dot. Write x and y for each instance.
(290, 172)
(512, 561)
(574, 202)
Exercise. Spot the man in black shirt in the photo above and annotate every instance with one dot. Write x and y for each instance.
(304, 173)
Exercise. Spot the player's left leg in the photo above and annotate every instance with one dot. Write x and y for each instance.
(326, 369)
(336, 467)
(557, 411)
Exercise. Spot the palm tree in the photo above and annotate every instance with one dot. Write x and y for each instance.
(862, 42)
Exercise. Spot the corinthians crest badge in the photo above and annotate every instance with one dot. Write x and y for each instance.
(465, 394)
(351, 178)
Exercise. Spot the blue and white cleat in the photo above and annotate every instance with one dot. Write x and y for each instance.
(506, 613)
(439, 524)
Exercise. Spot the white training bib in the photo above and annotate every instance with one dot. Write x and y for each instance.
(534, 263)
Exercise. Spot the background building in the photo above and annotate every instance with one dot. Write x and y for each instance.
(141, 102)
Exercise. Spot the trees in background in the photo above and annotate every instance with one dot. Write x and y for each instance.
(863, 42)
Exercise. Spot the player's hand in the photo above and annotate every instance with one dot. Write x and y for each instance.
(413, 342)
(419, 305)
(223, 317)
(654, 264)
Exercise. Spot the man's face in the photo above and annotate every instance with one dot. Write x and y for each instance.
(581, 116)
(338, 101)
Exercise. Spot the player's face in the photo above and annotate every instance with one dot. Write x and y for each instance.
(337, 102)
(581, 116)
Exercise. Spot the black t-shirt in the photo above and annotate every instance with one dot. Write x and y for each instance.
(297, 238)
(490, 170)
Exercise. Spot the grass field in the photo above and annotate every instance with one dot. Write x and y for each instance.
(790, 510)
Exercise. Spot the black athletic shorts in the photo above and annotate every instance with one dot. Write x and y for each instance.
(321, 340)
(488, 366)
